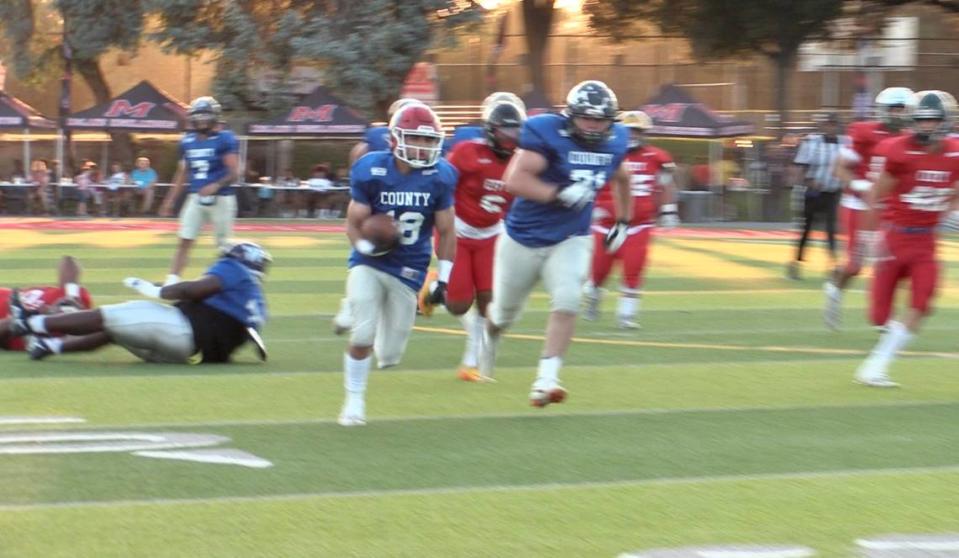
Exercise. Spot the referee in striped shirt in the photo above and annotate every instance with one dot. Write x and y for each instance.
(816, 160)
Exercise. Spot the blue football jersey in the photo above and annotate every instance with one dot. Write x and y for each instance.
(463, 133)
(537, 224)
(412, 199)
(241, 296)
(204, 158)
(377, 138)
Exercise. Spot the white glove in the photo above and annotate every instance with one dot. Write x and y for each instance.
(668, 217)
(951, 222)
(142, 286)
(867, 245)
(576, 196)
(616, 236)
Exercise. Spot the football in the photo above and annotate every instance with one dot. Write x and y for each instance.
(380, 229)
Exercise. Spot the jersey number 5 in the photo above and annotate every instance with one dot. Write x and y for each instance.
(409, 224)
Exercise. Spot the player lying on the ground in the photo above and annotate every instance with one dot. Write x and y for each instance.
(653, 195)
(213, 316)
(916, 188)
(67, 296)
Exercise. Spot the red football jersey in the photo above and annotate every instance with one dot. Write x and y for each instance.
(865, 136)
(644, 165)
(925, 182)
(480, 200)
(36, 298)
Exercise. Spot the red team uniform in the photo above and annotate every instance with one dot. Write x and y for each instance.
(865, 136)
(36, 298)
(481, 202)
(644, 165)
(923, 192)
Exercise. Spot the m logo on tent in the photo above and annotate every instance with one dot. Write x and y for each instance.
(672, 112)
(322, 113)
(122, 107)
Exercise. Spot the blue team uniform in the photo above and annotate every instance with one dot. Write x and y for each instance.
(536, 224)
(377, 138)
(204, 159)
(241, 297)
(463, 133)
(412, 199)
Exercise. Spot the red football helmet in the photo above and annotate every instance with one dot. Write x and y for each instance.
(416, 120)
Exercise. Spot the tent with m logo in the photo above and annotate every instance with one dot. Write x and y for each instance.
(676, 113)
(317, 115)
(142, 108)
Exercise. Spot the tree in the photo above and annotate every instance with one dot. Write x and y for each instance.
(92, 27)
(720, 29)
(537, 23)
(367, 48)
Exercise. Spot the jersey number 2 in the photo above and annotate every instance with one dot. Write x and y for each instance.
(200, 169)
(592, 179)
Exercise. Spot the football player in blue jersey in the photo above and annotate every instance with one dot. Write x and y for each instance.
(562, 161)
(212, 317)
(208, 164)
(377, 138)
(413, 185)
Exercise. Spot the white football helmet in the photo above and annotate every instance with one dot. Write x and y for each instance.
(895, 97)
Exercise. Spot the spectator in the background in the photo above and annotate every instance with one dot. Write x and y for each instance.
(40, 192)
(116, 194)
(145, 179)
(320, 184)
(87, 182)
(18, 176)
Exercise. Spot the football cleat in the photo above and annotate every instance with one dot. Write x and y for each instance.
(545, 393)
(39, 348)
(343, 320)
(628, 322)
(873, 373)
(353, 413)
(423, 300)
(832, 313)
(472, 374)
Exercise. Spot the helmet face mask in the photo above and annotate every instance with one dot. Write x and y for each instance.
(503, 122)
(416, 135)
(591, 109)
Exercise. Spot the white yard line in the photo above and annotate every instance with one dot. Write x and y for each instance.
(453, 490)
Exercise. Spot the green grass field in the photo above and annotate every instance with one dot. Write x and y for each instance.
(731, 417)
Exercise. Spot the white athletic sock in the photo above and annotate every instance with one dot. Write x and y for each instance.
(893, 341)
(55, 344)
(627, 306)
(355, 374)
(171, 279)
(468, 320)
(37, 324)
(479, 326)
(549, 369)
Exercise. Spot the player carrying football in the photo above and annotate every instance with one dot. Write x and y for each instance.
(651, 181)
(918, 183)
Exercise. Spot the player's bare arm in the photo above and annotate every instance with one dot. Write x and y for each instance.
(232, 163)
(358, 151)
(446, 248)
(522, 177)
(179, 181)
(356, 213)
(202, 288)
(622, 194)
(883, 187)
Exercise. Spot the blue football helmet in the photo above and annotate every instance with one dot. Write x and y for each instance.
(591, 99)
(250, 254)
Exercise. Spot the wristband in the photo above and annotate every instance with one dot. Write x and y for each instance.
(445, 270)
(668, 208)
(72, 290)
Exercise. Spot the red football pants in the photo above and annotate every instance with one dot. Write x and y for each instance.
(472, 269)
(909, 255)
(633, 254)
(851, 223)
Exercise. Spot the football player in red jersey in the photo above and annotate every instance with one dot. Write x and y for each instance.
(67, 296)
(918, 184)
(895, 105)
(481, 203)
(653, 193)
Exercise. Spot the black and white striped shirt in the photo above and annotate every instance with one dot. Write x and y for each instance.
(819, 157)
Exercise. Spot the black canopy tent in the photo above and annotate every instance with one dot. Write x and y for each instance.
(537, 103)
(17, 115)
(142, 108)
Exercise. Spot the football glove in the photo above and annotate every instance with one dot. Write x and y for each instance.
(367, 248)
(576, 196)
(616, 236)
(142, 286)
(668, 217)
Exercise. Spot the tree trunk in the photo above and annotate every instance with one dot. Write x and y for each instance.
(785, 63)
(537, 22)
(121, 145)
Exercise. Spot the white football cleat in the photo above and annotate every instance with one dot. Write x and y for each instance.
(832, 313)
(546, 392)
(353, 413)
(873, 373)
(487, 355)
(343, 320)
(628, 322)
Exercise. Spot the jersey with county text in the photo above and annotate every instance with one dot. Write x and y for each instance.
(377, 138)
(644, 165)
(204, 159)
(240, 296)
(412, 200)
(537, 224)
(481, 200)
(925, 182)
(463, 133)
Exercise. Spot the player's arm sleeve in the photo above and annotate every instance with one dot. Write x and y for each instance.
(231, 144)
(360, 187)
